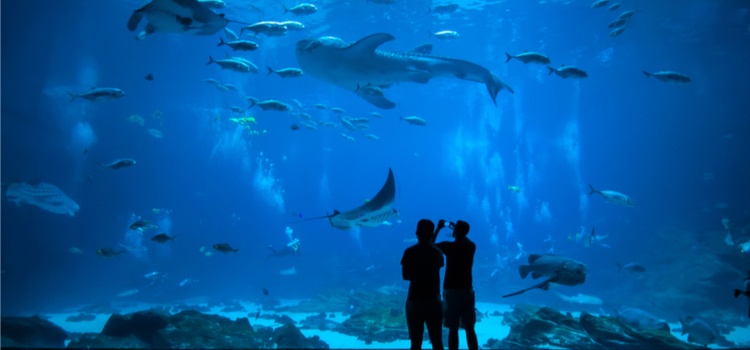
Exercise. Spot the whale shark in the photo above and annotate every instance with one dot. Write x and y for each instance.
(43, 195)
(351, 65)
(177, 16)
(373, 213)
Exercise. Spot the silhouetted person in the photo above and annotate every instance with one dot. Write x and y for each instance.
(421, 266)
(458, 292)
(292, 248)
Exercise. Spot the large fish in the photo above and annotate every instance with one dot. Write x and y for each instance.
(44, 195)
(177, 16)
(361, 63)
(373, 213)
(558, 269)
(614, 197)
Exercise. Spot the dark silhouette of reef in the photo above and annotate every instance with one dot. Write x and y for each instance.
(538, 327)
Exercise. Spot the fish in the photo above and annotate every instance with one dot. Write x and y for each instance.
(239, 45)
(149, 77)
(108, 252)
(626, 15)
(515, 189)
(414, 120)
(272, 105)
(559, 269)
(372, 213)
(288, 272)
(265, 291)
(217, 84)
(155, 133)
(286, 72)
(43, 195)
(225, 248)
(443, 9)
(75, 250)
(214, 4)
(614, 197)
(617, 31)
(445, 34)
(669, 77)
(98, 94)
(631, 267)
(230, 34)
(600, 3)
(189, 17)
(119, 163)
(618, 23)
(529, 57)
(293, 25)
(250, 64)
(568, 72)
(301, 9)
(127, 293)
(231, 64)
(698, 331)
(361, 63)
(580, 299)
(269, 28)
(745, 290)
(616, 6)
(640, 319)
(142, 225)
(162, 238)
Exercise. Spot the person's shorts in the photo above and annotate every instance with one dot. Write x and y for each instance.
(459, 308)
(421, 312)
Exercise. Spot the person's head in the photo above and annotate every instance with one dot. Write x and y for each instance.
(425, 228)
(461, 229)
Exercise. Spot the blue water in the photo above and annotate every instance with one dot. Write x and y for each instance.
(680, 151)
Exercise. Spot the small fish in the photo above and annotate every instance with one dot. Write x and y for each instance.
(265, 291)
(320, 106)
(372, 137)
(98, 94)
(617, 31)
(239, 45)
(269, 28)
(231, 87)
(669, 77)
(443, 9)
(257, 314)
(253, 68)
(136, 119)
(445, 34)
(108, 252)
(289, 272)
(75, 250)
(162, 238)
(618, 23)
(515, 189)
(127, 293)
(626, 15)
(301, 9)
(286, 72)
(225, 248)
(230, 34)
(149, 77)
(119, 163)
(273, 105)
(600, 3)
(157, 134)
(414, 120)
(294, 127)
(293, 25)
(230, 64)
(616, 6)
(214, 4)
(529, 57)
(338, 110)
(568, 72)
(614, 197)
(376, 114)
(631, 267)
(142, 225)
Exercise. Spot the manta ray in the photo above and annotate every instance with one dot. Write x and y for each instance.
(361, 64)
(373, 213)
(177, 16)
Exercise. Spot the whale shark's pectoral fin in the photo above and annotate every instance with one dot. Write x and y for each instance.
(135, 19)
(377, 100)
(368, 44)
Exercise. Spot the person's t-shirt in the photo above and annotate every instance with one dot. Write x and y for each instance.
(423, 261)
(459, 256)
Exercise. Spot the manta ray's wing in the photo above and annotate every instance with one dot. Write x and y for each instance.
(177, 16)
(544, 285)
(371, 214)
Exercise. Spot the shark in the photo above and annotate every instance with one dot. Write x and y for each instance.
(352, 65)
(43, 195)
(373, 213)
(177, 16)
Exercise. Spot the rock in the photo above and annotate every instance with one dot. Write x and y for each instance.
(615, 334)
(289, 337)
(31, 332)
(81, 317)
(144, 325)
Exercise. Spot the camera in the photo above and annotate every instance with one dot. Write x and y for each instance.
(451, 224)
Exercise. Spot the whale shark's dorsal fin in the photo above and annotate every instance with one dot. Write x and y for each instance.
(370, 43)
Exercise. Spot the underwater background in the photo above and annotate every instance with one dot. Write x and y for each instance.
(680, 151)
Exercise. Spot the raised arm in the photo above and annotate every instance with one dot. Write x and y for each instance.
(440, 226)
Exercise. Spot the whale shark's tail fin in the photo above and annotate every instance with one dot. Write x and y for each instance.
(494, 85)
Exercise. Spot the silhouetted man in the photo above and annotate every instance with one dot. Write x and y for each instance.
(458, 292)
(421, 266)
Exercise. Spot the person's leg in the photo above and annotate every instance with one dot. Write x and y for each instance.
(453, 338)
(471, 339)
(435, 324)
(414, 324)
(469, 319)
